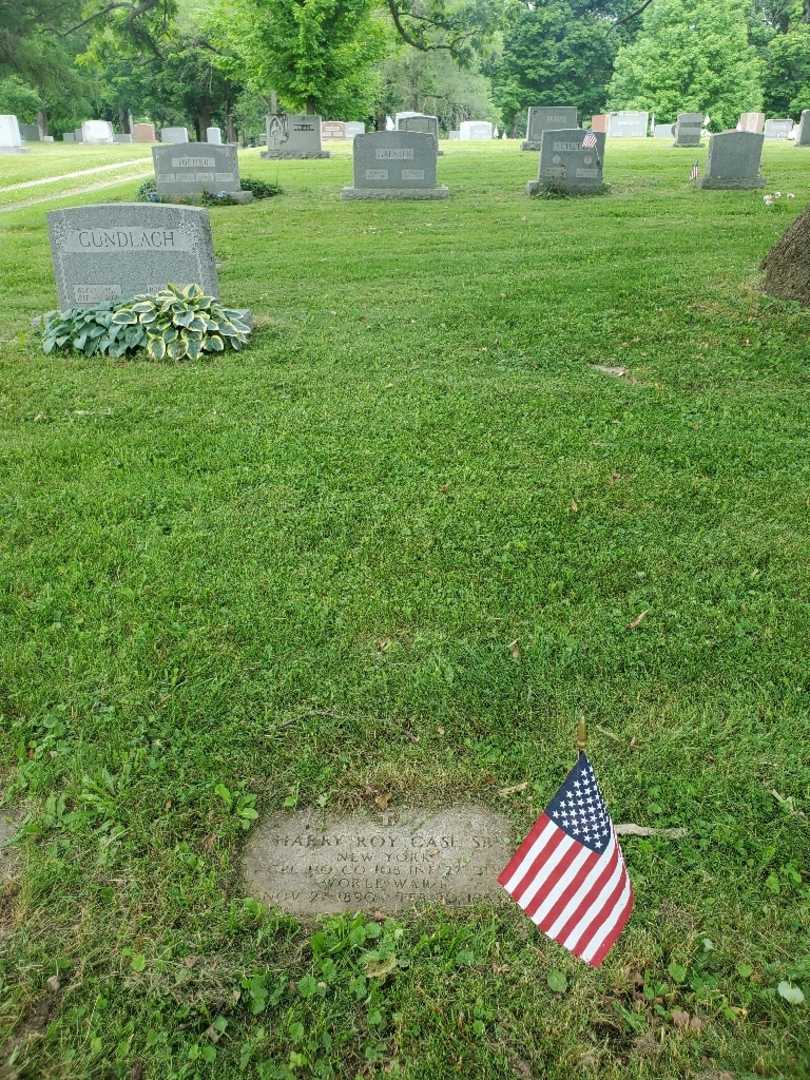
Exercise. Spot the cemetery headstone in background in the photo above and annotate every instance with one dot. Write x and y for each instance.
(453, 135)
(627, 124)
(30, 132)
(663, 131)
(570, 161)
(803, 131)
(734, 159)
(174, 135)
(123, 138)
(600, 122)
(291, 135)
(778, 129)
(428, 125)
(688, 129)
(310, 865)
(395, 165)
(97, 132)
(751, 121)
(354, 128)
(112, 251)
(143, 133)
(543, 117)
(213, 135)
(77, 135)
(68, 137)
(194, 168)
(333, 129)
(475, 129)
(10, 135)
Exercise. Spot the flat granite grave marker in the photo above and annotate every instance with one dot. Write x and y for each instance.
(193, 168)
(428, 125)
(803, 130)
(394, 165)
(733, 162)
(310, 865)
(571, 160)
(688, 129)
(628, 124)
(97, 132)
(475, 129)
(547, 117)
(778, 129)
(174, 135)
(751, 121)
(143, 133)
(291, 135)
(112, 251)
(10, 135)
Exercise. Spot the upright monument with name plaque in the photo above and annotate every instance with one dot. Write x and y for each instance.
(570, 161)
(423, 122)
(197, 168)
(688, 129)
(395, 165)
(734, 158)
(174, 135)
(294, 136)
(112, 251)
(547, 117)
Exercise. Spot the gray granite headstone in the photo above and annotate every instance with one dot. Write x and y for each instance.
(143, 133)
(663, 131)
(803, 131)
(174, 135)
(213, 135)
(354, 128)
(193, 168)
(10, 135)
(30, 132)
(628, 124)
(123, 138)
(97, 132)
(475, 129)
(751, 121)
(77, 135)
(733, 162)
(571, 161)
(310, 865)
(394, 165)
(112, 251)
(291, 135)
(551, 117)
(688, 129)
(68, 137)
(778, 129)
(428, 125)
(454, 134)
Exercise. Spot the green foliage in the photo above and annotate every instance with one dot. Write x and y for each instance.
(552, 54)
(787, 72)
(318, 55)
(182, 323)
(18, 98)
(262, 189)
(92, 331)
(690, 55)
(433, 82)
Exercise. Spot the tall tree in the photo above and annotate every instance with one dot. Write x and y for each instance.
(787, 72)
(690, 55)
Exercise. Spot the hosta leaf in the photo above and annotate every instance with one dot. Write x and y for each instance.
(169, 334)
(143, 306)
(148, 317)
(124, 318)
(197, 324)
(183, 318)
(214, 343)
(156, 348)
(176, 349)
(194, 348)
(48, 345)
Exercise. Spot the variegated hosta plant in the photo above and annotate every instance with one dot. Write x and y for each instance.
(181, 322)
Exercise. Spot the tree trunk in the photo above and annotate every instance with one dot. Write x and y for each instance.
(125, 119)
(381, 121)
(230, 128)
(42, 122)
(311, 103)
(273, 102)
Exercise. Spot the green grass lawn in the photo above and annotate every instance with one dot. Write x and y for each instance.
(300, 572)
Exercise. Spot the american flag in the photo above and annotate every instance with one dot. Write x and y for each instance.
(589, 141)
(568, 875)
(695, 171)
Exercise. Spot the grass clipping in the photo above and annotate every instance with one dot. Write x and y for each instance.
(787, 264)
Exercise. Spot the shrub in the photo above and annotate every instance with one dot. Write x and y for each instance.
(181, 323)
(147, 192)
(91, 331)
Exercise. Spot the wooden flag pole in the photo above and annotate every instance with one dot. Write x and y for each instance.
(582, 735)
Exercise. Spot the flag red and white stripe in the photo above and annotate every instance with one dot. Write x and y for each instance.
(569, 875)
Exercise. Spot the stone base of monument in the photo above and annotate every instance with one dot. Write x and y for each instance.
(13, 149)
(687, 145)
(240, 197)
(394, 193)
(547, 187)
(533, 145)
(730, 183)
(277, 155)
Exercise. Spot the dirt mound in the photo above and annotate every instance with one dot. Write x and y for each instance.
(787, 264)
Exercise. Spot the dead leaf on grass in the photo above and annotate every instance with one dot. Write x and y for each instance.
(639, 619)
(514, 648)
(514, 789)
(628, 828)
(605, 369)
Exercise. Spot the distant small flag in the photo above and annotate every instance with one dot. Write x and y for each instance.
(589, 141)
(568, 875)
(695, 171)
